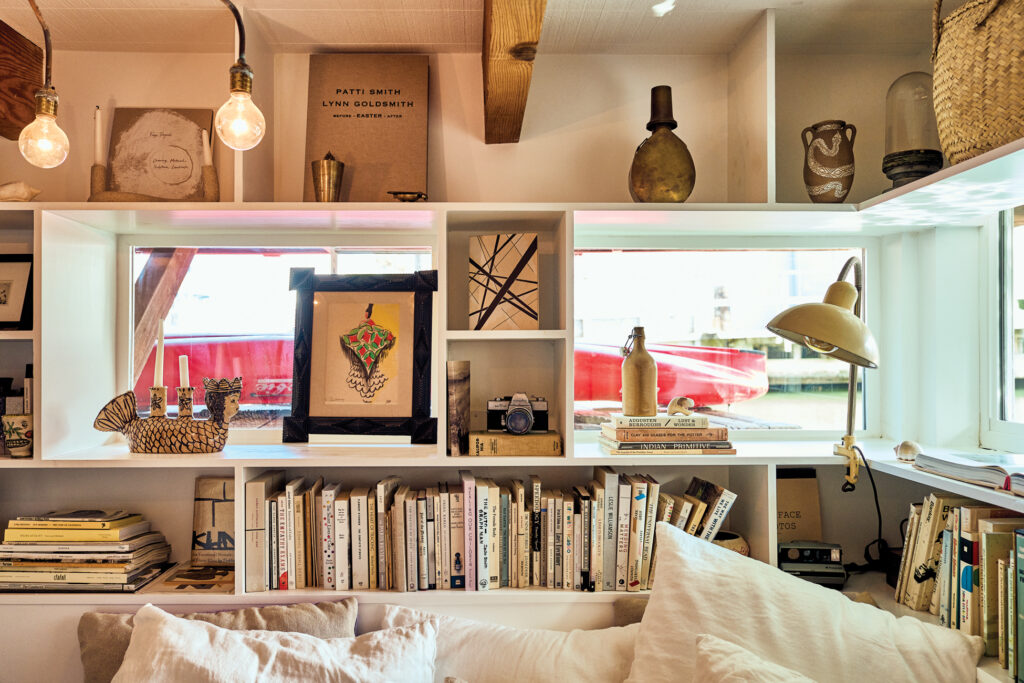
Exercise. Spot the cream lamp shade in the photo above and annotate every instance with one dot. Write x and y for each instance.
(830, 327)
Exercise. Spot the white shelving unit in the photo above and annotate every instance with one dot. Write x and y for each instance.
(565, 181)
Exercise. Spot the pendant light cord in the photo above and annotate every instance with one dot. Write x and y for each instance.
(46, 43)
(241, 29)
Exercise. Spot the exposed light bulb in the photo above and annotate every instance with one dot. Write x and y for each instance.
(662, 8)
(239, 123)
(42, 142)
(820, 346)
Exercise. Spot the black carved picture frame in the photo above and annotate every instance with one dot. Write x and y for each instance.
(419, 426)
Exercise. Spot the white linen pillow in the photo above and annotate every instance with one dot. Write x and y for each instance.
(481, 652)
(702, 588)
(165, 648)
(719, 661)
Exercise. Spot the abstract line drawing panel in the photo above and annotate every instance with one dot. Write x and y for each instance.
(503, 282)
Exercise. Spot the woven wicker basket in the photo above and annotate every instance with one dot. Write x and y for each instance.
(978, 52)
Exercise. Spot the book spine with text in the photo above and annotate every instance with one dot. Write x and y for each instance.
(667, 434)
(360, 544)
(422, 559)
(458, 540)
(469, 527)
(274, 569)
(342, 542)
(660, 421)
(622, 507)
(446, 537)
(610, 485)
(653, 493)
(568, 541)
(327, 535)
(535, 578)
(716, 515)
(431, 539)
(284, 575)
(411, 544)
(637, 525)
(558, 517)
(503, 532)
(399, 565)
(993, 547)
(493, 533)
(483, 540)
(371, 539)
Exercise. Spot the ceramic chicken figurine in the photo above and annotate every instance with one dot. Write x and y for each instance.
(179, 435)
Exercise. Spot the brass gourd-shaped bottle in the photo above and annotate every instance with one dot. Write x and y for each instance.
(639, 379)
(662, 169)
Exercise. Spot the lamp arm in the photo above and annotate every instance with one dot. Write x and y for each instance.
(241, 29)
(848, 449)
(858, 279)
(48, 51)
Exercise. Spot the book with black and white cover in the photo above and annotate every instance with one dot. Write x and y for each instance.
(360, 528)
(548, 519)
(577, 544)
(400, 566)
(293, 489)
(457, 540)
(257, 491)
(445, 526)
(433, 543)
(559, 554)
(330, 548)
(535, 578)
(421, 540)
(653, 492)
(483, 534)
(412, 569)
(127, 545)
(586, 512)
(270, 537)
(609, 482)
(469, 527)
(719, 501)
(513, 539)
(568, 548)
(282, 541)
(342, 541)
(622, 510)
(637, 527)
(503, 536)
(659, 421)
(493, 532)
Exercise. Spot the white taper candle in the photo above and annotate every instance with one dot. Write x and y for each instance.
(183, 371)
(158, 371)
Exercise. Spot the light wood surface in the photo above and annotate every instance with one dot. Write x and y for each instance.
(511, 31)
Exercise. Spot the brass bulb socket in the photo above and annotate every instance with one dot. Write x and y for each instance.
(46, 102)
(241, 77)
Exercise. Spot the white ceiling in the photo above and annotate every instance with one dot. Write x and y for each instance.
(570, 26)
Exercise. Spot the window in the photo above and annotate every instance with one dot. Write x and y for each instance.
(704, 314)
(232, 314)
(1011, 388)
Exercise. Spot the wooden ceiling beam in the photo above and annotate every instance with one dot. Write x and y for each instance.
(511, 31)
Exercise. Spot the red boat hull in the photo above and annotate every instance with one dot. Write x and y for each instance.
(708, 375)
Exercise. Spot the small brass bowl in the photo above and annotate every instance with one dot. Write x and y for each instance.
(403, 196)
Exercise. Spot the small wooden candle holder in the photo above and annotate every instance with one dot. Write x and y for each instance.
(159, 434)
(98, 191)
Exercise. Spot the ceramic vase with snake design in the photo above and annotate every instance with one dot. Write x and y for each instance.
(828, 161)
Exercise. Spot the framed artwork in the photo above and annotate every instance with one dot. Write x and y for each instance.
(362, 355)
(15, 291)
(159, 152)
(503, 282)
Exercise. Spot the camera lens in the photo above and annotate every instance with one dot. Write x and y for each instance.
(519, 420)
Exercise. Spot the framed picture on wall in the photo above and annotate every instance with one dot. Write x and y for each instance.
(362, 355)
(15, 291)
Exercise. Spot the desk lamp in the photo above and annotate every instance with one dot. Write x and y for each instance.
(834, 327)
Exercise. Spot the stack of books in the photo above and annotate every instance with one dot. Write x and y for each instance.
(664, 435)
(474, 534)
(81, 550)
(961, 561)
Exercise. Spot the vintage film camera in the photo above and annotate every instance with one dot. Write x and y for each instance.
(820, 563)
(517, 414)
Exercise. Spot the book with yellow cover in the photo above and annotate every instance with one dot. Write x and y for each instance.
(62, 535)
(36, 523)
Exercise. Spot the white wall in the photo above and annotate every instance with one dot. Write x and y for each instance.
(585, 116)
(119, 79)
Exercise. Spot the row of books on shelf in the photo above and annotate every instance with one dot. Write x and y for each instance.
(664, 435)
(81, 550)
(964, 562)
(476, 534)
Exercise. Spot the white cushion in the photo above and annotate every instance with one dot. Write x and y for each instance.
(702, 588)
(719, 661)
(167, 648)
(480, 652)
